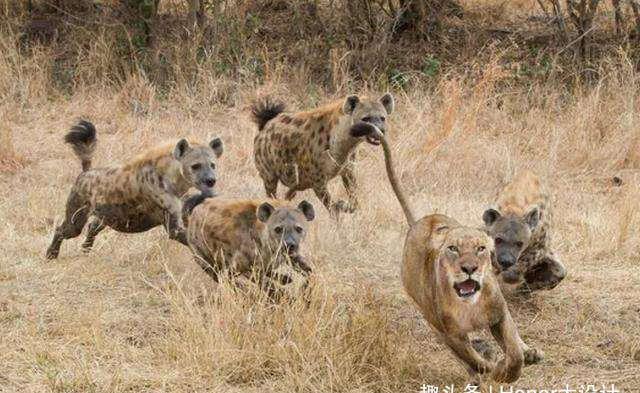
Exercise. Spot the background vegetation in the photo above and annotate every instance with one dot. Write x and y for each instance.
(484, 89)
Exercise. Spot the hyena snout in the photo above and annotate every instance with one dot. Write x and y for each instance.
(291, 245)
(506, 260)
(210, 182)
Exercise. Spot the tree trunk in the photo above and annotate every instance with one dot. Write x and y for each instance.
(423, 15)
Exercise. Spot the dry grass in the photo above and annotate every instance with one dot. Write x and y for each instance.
(137, 315)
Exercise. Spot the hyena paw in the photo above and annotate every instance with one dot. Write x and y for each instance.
(341, 206)
(533, 356)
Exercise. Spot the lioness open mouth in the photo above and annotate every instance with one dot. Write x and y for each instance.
(466, 288)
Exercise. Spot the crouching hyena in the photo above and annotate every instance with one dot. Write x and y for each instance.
(520, 227)
(307, 149)
(249, 237)
(138, 195)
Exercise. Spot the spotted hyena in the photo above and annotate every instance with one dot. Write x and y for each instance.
(305, 150)
(137, 196)
(249, 237)
(521, 228)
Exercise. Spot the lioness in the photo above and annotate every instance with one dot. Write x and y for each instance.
(446, 270)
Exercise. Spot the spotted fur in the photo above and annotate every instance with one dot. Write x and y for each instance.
(521, 228)
(305, 150)
(249, 237)
(137, 196)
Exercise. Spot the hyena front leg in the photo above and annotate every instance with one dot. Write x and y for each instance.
(95, 227)
(270, 186)
(291, 194)
(349, 182)
(76, 215)
(172, 207)
(323, 194)
(546, 273)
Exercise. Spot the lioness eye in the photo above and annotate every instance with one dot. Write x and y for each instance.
(481, 248)
(196, 167)
(278, 230)
(453, 249)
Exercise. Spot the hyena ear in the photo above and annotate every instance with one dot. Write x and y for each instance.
(181, 148)
(307, 209)
(388, 102)
(216, 146)
(490, 216)
(265, 211)
(532, 218)
(350, 104)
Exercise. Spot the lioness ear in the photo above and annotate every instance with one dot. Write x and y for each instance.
(181, 148)
(490, 216)
(388, 102)
(307, 209)
(532, 218)
(265, 211)
(216, 146)
(350, 104)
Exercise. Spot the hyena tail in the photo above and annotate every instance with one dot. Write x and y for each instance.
(265, 110)
(82, 138)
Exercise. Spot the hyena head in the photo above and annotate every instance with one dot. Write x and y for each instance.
(368, 116)
(511, 235)
(199, 163)
(285, 227)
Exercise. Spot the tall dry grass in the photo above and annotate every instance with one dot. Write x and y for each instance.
(137, 315)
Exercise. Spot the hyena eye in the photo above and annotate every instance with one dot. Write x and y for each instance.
(366, 119)
(519, 244)
(453, 249)
(196, 167)
(278, 230)
(498, 240)
(213, 165)
(299, 229)
(382, 118)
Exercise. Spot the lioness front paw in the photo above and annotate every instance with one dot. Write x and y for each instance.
(484, 349)
(533, 356)
(506, 372)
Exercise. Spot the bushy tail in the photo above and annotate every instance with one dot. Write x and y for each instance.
(265, 110)
(391, 173)
(82, 138)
